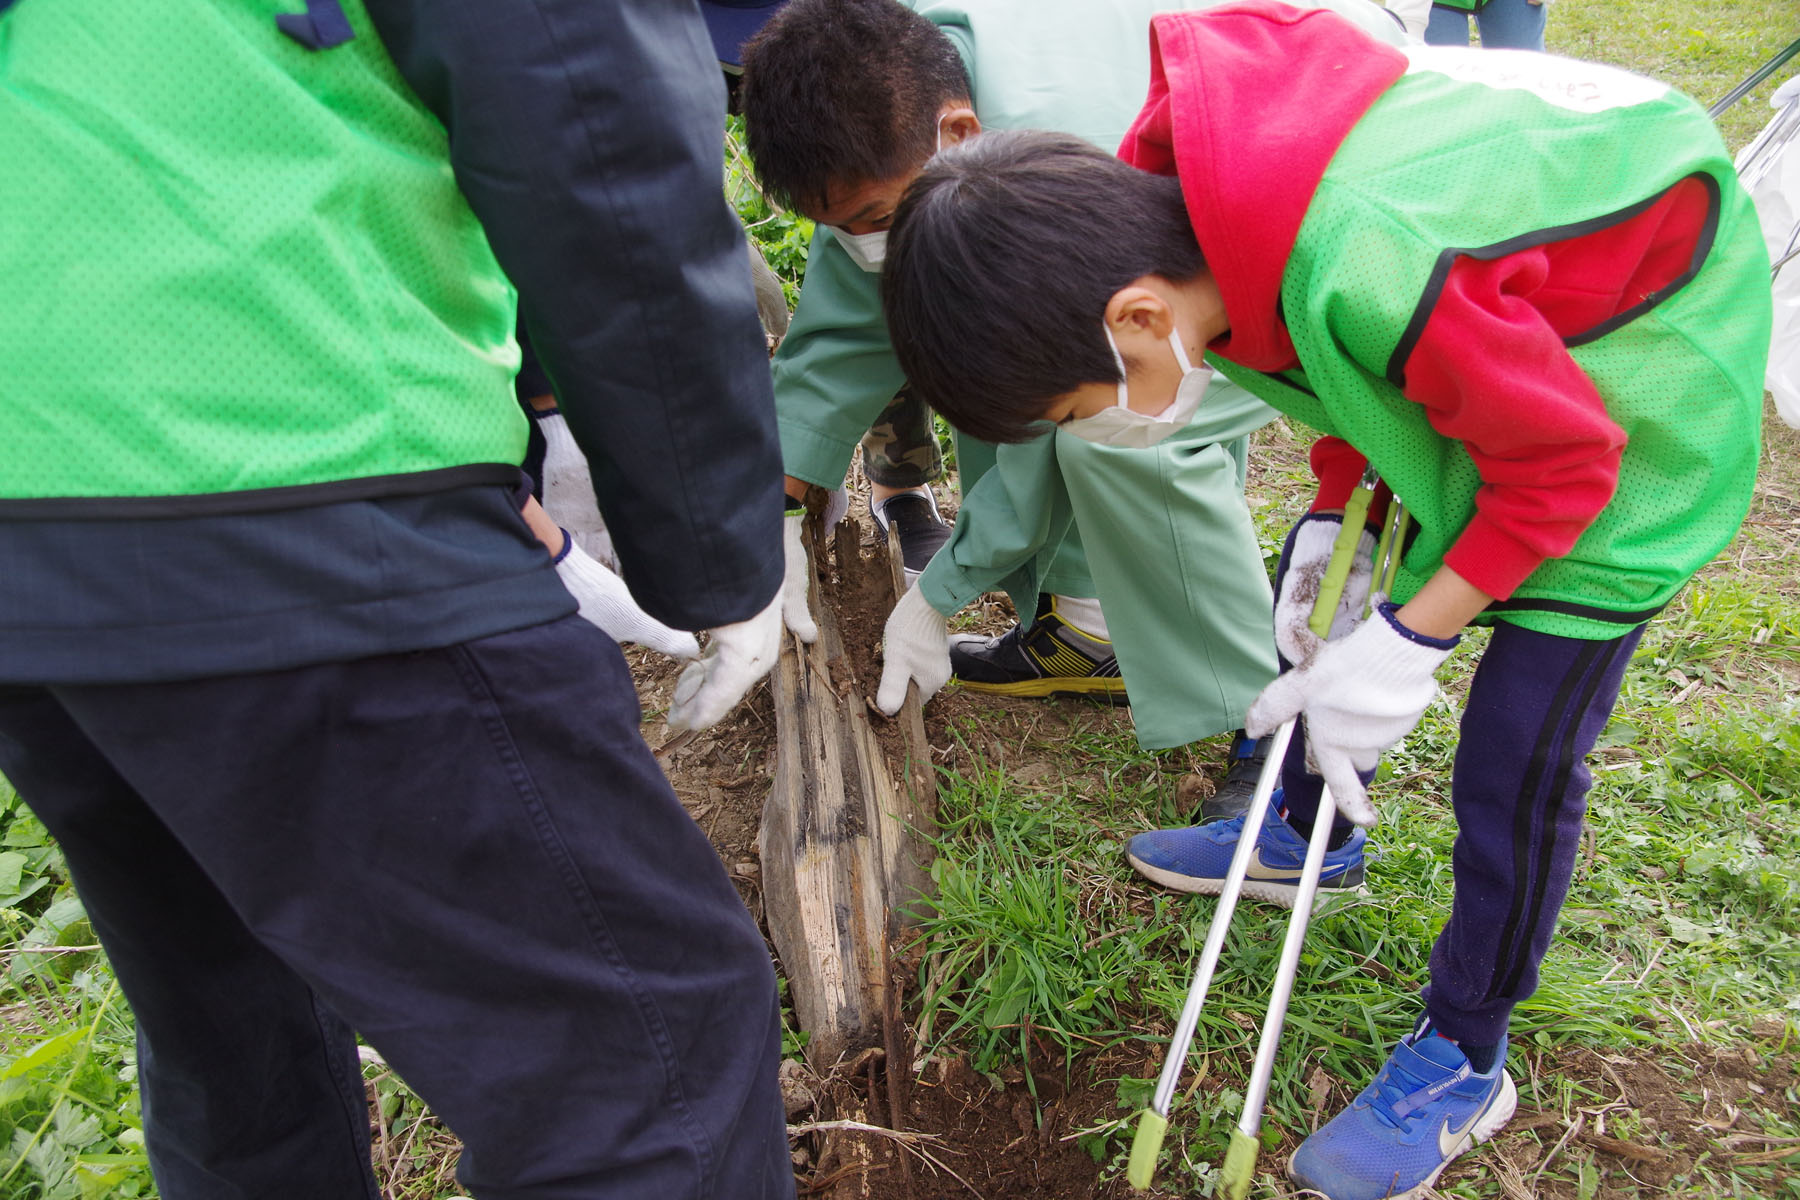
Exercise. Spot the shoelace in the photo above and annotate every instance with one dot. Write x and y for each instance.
(1399, 1095)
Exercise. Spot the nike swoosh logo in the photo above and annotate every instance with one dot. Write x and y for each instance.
(1450, 1137)
(1261, 870)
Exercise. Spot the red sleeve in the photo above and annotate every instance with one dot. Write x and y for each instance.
(1492, 368)
(1338, 466)
(1495, 376)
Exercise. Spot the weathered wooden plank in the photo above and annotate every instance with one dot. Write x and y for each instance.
(842, 842)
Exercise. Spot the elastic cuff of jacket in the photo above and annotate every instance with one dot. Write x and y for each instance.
(1390, 612)
(568, 545)
(815, 457)
(936, 586)
(1371, 524)
(1378, 506)
(1491, 559)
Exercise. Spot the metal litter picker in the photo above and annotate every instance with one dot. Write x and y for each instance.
(1240, 1159)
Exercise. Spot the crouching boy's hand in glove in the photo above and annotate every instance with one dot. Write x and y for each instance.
(915, 648)
(736, 656)
(1359, 696)
(1309, 554)
(796, 579)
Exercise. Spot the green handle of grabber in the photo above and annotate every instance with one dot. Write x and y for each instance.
(1240, 1165)
(1343, 554)
(1146, 1144)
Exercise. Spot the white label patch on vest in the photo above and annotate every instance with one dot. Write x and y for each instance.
(1565, 82)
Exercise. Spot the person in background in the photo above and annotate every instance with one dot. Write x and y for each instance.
(1502, 24)
(283, 667)
(731, 23)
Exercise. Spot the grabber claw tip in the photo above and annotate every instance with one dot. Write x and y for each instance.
(1240, 1166)
(1146, 1144)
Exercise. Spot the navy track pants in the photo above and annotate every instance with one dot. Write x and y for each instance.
(1519, 790)
(469, 856)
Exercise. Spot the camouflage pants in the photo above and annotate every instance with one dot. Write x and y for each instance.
(901, 449)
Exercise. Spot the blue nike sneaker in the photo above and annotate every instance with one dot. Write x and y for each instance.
(1196, 858)
(1426, 1106)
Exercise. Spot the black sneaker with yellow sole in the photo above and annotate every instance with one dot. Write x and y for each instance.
(1048, 657)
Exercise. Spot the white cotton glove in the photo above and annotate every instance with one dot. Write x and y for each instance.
(569, 491)
(1359, 696)
(736, 656)
(795, 581)
(915, 648)
(837, 503)
(796, 578)
(1308, 557)
(607, 602)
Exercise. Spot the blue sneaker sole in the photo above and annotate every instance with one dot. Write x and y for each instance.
(1271, 890)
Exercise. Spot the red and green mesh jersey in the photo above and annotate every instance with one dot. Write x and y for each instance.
(240, 265)
(1527, 289)
(1418, 201)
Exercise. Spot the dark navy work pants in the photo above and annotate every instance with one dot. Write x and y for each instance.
(469, 856)
(1519, 790)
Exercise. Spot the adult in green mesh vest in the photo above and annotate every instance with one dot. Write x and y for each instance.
(1530, 294)
(391, 395)
(1178, 600)
(282, 666)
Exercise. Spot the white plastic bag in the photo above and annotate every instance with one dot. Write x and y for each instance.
(1770, 170)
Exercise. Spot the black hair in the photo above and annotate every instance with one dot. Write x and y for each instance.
(1003, 255)
(842, 92)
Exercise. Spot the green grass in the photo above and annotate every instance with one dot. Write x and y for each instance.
(1683, 925)
(783, 237)
(69, 1124)
(1703, 47)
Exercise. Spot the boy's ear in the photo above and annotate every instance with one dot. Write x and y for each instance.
(958, 123)
(1137, 309)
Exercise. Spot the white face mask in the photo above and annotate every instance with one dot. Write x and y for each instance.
(869, 250)
(1122, 425)
(866, 250)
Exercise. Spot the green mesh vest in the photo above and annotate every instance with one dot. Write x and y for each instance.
(230, 264)
(1421, 178)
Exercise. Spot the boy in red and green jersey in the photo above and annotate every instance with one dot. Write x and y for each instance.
(1528, 293)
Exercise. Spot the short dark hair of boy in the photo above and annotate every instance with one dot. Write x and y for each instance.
(1002, 257)
(842, 92)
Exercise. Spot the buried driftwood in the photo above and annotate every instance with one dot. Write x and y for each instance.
(846, 828)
